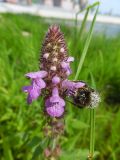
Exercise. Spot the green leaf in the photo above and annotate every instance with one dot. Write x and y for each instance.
(76, 124)
(76, 154)
(34, 142)
(87, 43)
(7, 150)
(38, 151)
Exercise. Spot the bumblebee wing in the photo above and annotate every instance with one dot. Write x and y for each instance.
(73, 103)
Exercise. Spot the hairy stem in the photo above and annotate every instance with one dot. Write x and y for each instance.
(54, 143)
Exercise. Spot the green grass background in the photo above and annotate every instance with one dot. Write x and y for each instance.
(21, 126)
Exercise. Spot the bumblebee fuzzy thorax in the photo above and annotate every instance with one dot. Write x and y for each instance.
(82, 97)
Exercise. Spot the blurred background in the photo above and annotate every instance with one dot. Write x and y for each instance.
(23, 25)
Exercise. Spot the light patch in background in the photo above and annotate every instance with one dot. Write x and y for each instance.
(111, 7)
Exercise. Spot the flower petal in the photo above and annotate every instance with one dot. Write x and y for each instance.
(55, 104)
(55, 111)
(29, 99)
(79, 84)
(68, 84)
(34, 93)
(40, 83)
(39, 74)
(68, 72)
(70, 59)
(55, 80)
(71, 84)
(64, 65)
(58, 100)
(27, 88)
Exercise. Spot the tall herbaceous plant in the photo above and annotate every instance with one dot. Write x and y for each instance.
(52, 83)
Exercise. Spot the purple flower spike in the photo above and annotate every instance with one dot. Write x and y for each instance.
(53, 77)
(55, 104)
(39, 74)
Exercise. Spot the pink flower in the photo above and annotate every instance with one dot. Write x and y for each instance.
(72, 85)
(34, 90)
(66, 65)
(55, 104)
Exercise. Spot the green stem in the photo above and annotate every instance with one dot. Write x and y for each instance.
(92, 134)
(54, 143)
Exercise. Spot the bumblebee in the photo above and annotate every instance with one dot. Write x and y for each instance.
(83, 97)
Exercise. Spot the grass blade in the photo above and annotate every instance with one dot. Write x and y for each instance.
(84, 20)
(7, 150)
(87, 43)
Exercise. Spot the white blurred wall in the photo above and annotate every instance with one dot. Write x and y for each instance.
(48, 2)
(65, 4)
